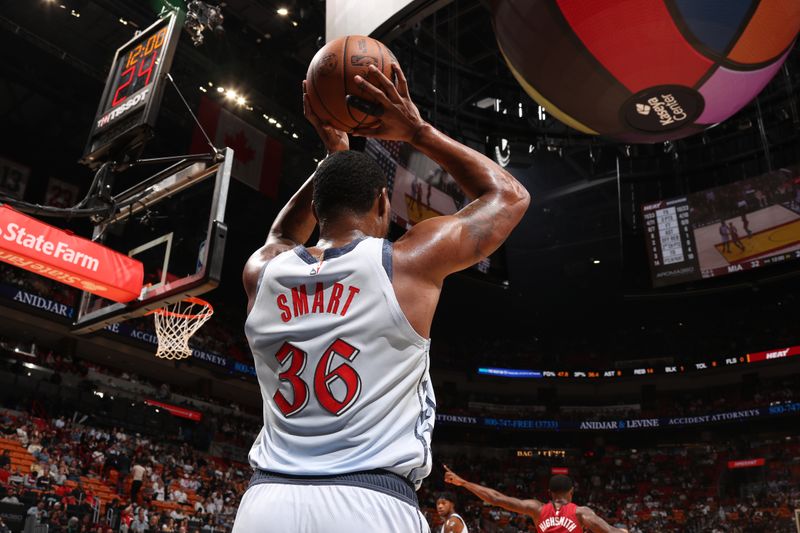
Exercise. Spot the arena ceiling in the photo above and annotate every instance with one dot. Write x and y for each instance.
(581, 212)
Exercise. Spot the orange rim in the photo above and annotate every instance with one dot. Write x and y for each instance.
(192, 299)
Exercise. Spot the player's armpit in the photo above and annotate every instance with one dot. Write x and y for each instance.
(589, 520)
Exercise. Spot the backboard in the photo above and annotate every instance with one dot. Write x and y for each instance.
(174, 223)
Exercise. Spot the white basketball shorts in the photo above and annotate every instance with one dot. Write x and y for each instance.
(303, 507)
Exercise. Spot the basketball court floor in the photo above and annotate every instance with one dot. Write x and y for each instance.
(775, 229)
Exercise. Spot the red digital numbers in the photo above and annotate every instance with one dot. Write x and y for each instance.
(324, 377)
(127, 72)
(149, 69)
(140, 63)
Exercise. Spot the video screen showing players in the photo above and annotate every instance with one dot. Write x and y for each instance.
(748, 224)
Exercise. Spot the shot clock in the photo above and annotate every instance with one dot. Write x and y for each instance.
(129, 106)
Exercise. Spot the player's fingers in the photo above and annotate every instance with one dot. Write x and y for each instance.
(402, 83)
(447, 468)
(371, 90)
(385, 83)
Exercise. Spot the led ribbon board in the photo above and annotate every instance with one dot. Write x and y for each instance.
(132, 96)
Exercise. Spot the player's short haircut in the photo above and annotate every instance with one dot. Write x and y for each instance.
(449, 496)
(346, 181)
(560, 484)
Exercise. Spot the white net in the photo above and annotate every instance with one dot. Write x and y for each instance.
(175, 325)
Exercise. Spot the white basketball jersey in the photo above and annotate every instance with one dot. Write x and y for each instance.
(343, 374)
(456, 515)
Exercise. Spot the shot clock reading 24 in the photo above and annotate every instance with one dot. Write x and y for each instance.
(132, 73)
(129, 106)
(138, 67)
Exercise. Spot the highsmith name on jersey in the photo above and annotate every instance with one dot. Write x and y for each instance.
(563, 519)
(343, 374)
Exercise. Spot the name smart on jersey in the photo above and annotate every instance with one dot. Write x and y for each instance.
(323, 301)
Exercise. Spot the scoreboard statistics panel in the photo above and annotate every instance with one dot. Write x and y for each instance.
(744, 225)
(671, 247)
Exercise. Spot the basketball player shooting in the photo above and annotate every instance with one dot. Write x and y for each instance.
(339, 330)
(559, 515)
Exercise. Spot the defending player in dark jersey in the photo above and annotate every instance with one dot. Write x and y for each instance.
(560, 515)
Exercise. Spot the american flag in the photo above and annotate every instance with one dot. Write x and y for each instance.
(386, 154)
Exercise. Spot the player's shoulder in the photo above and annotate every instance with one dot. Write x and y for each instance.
(257, 263)
(456, 523)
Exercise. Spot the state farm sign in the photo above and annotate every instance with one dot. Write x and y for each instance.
(54, 253)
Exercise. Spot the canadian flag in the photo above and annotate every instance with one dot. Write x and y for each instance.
(257, 158)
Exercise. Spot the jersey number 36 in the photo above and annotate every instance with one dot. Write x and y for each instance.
(324, 378)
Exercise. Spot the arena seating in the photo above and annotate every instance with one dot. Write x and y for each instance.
(198, 491)
(642, 490)
(685, 488)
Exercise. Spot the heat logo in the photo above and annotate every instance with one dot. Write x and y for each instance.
(777, 354)
(643, 109)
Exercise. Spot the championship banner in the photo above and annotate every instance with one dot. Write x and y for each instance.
(174, 410)
(13, 178)
(42, 249)
(60, 193)
(746, 463)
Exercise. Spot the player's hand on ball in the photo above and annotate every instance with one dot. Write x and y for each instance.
(333, 139)
(399, 117)
(452, 478)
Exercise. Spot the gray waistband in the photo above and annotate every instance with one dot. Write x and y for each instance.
(377, 480)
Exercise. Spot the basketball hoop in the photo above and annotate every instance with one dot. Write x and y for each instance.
(175, 325)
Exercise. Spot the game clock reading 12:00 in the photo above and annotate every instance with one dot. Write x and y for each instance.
(136, 69)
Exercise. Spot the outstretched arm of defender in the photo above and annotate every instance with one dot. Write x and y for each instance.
(589, 520)
(447, 244)
(531, 508)
(295, 223)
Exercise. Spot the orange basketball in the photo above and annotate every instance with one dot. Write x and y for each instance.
(330, 79)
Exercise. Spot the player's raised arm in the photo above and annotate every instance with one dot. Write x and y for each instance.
(443, 245)
(530, 507)
(296, 221)
(590, 521)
